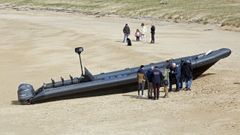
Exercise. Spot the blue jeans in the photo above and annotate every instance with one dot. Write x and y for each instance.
(178, 83)
(188, 83)
(141, 87)
(125, 38)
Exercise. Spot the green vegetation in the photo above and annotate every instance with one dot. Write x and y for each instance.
(223, 12)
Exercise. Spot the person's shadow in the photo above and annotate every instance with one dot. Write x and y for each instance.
(119, 41)
(15, 102)
(135, 96)
(206, 74)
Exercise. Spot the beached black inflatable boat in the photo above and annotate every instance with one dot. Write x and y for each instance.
(108, 83)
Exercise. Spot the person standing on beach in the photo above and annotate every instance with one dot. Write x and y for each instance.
(178, 77)
(126, 32)
(172, 75)
(187, 74)
(153, 34)
(143, 32)
(141, 80)
(149, 75)
(157, 80)
(166, 81)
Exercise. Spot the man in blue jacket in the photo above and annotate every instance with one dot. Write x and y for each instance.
(178, 77)
(187, 74)
(157, 80)
(149, 75)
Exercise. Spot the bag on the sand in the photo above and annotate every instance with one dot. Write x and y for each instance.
(129, 42)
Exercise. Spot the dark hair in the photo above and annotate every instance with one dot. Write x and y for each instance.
(141, 66)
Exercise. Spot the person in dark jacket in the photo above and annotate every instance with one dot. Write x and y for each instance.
(149, 75)
(178, 77)
(153, 34)
(129, 42)
(157, 80)
(141, 80)
(126, 32)
(172, 75)
(182, 77)
(187, 74)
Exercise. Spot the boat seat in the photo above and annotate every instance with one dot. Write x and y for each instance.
(74, 80)
(208, 52)
(71, 78)
(44, 86)
(67, 82)
(200, 56)
(56, 84)
(53, 82)
(62, 79)
(48, 85)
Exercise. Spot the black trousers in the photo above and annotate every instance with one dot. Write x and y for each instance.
(152, 38)
(137, 38)
(156, 87)
(172, 80)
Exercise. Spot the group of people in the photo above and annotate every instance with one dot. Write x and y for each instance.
(140, 34)
(155, 78)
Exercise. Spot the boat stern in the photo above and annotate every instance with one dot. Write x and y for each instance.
(25, 93)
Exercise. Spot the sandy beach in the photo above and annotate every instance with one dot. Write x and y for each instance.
(39, 45)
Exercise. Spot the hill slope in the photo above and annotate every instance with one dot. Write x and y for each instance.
(222, 12)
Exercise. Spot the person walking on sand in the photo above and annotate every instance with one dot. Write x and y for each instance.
(152, 34)
(149, 75)
(141, 80)
(126, 32)
(143, 32)
(157, 80)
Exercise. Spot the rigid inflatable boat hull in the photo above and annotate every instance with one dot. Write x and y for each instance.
(121, 81)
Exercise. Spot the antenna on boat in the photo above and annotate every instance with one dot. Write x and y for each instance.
(79, 50)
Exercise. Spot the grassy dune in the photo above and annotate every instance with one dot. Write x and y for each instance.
(222, 12)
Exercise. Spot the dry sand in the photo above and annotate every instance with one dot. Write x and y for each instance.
(36, 46)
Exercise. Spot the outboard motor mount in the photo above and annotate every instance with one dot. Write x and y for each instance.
(25, 93)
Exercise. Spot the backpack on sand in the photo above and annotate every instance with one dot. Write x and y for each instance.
(129, 42)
